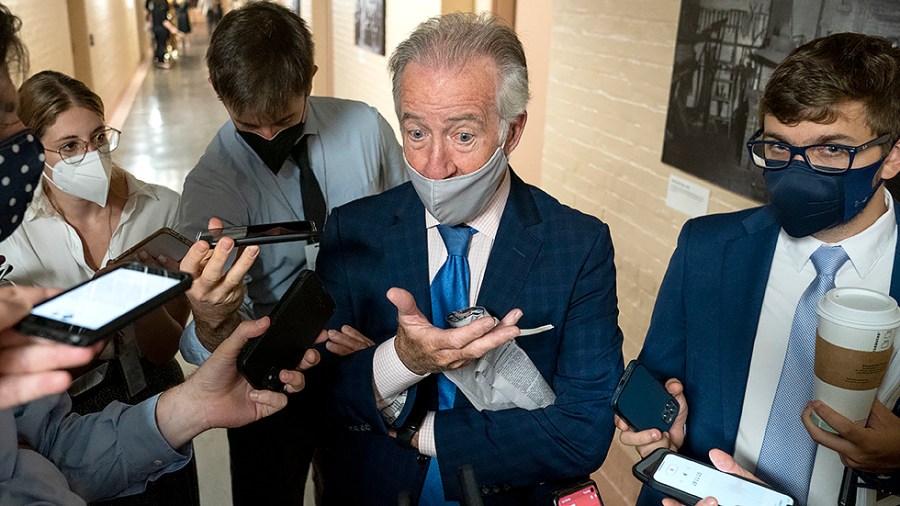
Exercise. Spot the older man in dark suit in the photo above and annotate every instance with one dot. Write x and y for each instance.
(465, 231)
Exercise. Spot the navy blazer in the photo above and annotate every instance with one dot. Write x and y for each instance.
(554, 263)
(706, 316)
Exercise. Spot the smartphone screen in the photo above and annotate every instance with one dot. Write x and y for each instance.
(703, 481)
(93, 305)
(587, 496)
(100, 306)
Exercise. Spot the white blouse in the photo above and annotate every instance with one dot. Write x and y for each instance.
(46, 251)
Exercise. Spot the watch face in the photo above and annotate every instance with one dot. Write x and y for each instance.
(462, 317)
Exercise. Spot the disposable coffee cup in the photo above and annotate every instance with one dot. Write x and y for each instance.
(854, 342)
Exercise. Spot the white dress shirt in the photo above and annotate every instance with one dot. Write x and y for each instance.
(391, 378)
(46, 251)
(871, 265)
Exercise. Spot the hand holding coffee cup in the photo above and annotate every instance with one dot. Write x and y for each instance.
(854, 343)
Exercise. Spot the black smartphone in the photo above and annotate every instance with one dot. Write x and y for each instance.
(164, 241)
(583, 494)
(262, 234)
(642, 401)
(296, 321)
(98, 307)
(689, 481)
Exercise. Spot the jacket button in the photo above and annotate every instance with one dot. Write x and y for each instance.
(422, 459)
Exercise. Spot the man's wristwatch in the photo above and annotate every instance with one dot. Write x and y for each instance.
(406, 433)
(414, 420)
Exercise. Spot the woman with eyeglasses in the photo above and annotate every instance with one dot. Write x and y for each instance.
(87, 210)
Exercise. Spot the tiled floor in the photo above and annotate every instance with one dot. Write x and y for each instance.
(174, 115)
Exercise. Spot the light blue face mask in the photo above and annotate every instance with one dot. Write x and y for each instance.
(459, 199)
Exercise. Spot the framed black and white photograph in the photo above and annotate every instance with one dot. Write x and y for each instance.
(725, 52)
(369, 26)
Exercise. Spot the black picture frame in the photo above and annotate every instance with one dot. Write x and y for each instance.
(369, 26)
(725, 52)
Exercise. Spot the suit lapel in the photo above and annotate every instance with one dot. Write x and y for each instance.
(745, 274)
(513, 252)
(407, 237)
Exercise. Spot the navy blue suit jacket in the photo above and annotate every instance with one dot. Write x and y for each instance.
(554, 263)
(705, 319)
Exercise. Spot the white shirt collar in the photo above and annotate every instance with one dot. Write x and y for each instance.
(864, 249)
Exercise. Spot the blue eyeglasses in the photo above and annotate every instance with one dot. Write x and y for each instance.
(827, 158)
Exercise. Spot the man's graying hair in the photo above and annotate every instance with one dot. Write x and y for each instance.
(454, 40)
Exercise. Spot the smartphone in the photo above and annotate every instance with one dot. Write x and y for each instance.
(296, 321)
(583, 494)
(690, 481)
(164, 241)
(262, 234)
(642, 401)
(96, 308)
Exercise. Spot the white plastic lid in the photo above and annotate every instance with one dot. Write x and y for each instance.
(860, 307)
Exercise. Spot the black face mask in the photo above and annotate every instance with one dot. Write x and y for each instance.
(22, 164)
(273, 152)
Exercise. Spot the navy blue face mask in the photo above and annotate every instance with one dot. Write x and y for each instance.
(807, 201)
(21, 165)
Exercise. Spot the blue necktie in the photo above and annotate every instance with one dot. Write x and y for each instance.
(449, 292)
(788, 453)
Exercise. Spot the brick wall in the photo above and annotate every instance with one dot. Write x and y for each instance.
(610, 67)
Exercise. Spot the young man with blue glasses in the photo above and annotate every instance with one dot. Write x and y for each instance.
(724, 331)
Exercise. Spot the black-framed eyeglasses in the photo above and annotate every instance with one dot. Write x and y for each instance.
(74, 151)
(827, 158)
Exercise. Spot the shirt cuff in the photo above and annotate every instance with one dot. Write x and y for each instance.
(427, 444)
(389, 376)
(190, 346)
(147, 453)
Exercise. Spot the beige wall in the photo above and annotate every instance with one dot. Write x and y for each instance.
(114, 53)
(360, 74)
(108, 65)
(610, 66)
(534, 24)
(45, 30)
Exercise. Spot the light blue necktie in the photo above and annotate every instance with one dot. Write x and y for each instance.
(449, 292)
(788, 453)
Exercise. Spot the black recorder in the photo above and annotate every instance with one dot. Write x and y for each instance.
(296, 321)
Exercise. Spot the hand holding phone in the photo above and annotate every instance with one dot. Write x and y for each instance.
(689, 481)
(262, 234)
(32, 367)
(297, 319)
(100, 306)
(643, 402)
